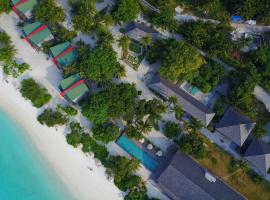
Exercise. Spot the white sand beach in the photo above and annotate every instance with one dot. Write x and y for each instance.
(70, 164)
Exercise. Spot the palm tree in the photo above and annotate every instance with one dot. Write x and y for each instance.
(146, 41)
(195, 125)
(124, 42)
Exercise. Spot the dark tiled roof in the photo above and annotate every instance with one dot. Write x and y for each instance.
(258, 153)
(188, 103)
(184, 179)
(135, 25)
(235, 126)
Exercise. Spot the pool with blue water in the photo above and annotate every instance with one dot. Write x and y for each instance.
(130, 147)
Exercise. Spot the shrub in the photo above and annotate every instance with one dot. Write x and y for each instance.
(52, 118)
(106, 133)
(75, 135)
(171, 129)
(37, 94)
(69, 110)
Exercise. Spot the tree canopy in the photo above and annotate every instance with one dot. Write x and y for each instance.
(7, 50)
(84, 18)
(5, 6)
(125, 10)
(106, 132)
(101, 65)
(52, 118)
(179, 60)
(48, 12)
(37, 94)
(171, 129)
(114, 102)
(74, 137)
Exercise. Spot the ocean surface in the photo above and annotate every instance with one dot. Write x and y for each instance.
(24, 175)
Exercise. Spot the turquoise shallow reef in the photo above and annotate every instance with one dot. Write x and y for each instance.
(24, 175)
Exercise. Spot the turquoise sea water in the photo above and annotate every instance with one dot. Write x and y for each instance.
(23, 173)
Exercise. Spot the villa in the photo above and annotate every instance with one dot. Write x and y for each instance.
(63, 54)
(189, 104)
(74, 88)
(235, 126)
(137, 31)
(185, 179)
(36, 33)
(24, 8)
(258, 154)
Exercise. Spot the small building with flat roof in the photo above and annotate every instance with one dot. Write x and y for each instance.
(24, 8)
(258, 154)
(235, 126)
(74, 88)
(63, 54)
(185, 179)
(137, 31)
(36, 33)
(189, 104)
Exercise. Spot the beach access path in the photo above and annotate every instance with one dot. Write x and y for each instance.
(71, 164)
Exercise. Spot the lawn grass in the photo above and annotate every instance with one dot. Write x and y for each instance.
(239, 180)
(136, 48)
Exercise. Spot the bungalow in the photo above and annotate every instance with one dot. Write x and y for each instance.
(24, 8)
(63, 54)
(73, 88)
(36, 33)
(137, 31)
(185, 179)
(258, 154)
(188, 103)
(235, 126)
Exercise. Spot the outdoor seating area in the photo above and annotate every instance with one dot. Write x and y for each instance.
(150, 148)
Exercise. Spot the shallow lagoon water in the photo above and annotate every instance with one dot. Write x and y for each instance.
(24, 175)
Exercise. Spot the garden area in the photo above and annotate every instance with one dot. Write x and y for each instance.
(235, 173)
(135, 55)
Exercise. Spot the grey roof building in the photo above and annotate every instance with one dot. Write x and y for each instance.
(137, 31)
(235, 126)
(188, 103)
(258, 153)
(185, 179)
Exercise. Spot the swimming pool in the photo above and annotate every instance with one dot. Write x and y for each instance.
(137, 153)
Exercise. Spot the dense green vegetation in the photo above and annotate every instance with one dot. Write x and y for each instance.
(69, 110)
(171, 129)
(63, 34)
(114, 102)
(5, 6)
(106, 132)
(84, 18)
(210, 76)
(74, 136)
(37, 94)
(7, 50)
(222, 9)
(165, 18)
(211, 38)
(125, 10)
(15, 69)
(52, 118)
(101, 65)
(179, 60)
(49, 12)
(192, 144)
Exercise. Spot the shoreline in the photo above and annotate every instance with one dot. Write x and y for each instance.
(68, 163)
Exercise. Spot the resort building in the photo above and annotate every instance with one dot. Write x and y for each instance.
(189, 104)
(235, 126)
(36, 33)
(137, 31)
(258, 154)
(74, 88)
(63, 54)
(185, 179)
(24, 8)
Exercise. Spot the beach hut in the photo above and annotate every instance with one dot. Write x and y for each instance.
(63, 54)
(36, 33)
(24, 8)
(73, 88)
